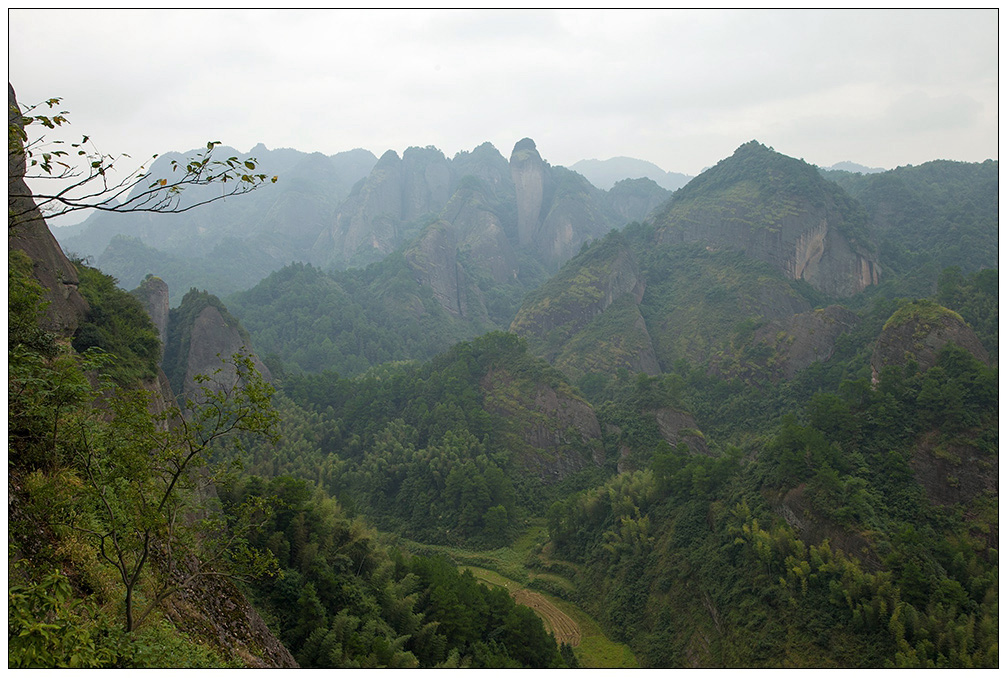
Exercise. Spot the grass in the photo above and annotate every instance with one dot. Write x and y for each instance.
(505, 567)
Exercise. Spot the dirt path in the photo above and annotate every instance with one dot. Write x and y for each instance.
(565, 629)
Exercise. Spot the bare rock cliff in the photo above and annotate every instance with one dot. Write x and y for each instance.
(529, 174)
(212, 341)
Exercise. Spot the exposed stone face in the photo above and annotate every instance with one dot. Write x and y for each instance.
(426, 182)
(28, 232)
(921, 336)
(481, 234)
(676, 427)
(806, 246)
(212, 342)
(796, 508)
(778, 210)
(593, 287)
(153, 294)
(800, 340)
(529, 174)
(434, 260)
(222, 616)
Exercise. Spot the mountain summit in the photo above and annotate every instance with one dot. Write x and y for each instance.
(779, 210)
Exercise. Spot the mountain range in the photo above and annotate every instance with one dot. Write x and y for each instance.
(748, 422)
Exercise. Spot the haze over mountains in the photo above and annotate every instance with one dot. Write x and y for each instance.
(749, 422)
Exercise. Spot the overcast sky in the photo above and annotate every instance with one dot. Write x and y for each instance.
(681, 89)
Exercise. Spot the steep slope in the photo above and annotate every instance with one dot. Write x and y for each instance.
(202, 337)
(941, 211)
(262, 231)
(584, 288)
(28, 232)
(778, 210)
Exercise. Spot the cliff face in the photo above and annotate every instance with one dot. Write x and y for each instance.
(530, 176)
(434, 259)
(213, 609)
(28, 232)
(365, 226)
(680, 427)
(153, 293)
(212, 341)
(778, 210)
(783, 347)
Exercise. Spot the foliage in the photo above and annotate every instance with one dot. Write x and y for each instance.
(343, 602)
(90, 179)
(118, 325)
(348, 321)
(48, 628)
(940, 212)
(139, 474)
(977, 299)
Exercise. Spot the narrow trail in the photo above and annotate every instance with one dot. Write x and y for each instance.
(562, 627)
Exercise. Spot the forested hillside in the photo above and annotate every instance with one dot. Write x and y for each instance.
(743, 429)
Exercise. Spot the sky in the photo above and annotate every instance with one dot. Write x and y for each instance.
(681, 89)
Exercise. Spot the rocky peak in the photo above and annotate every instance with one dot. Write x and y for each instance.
(779, 210)
(153, 294)
(530, 175)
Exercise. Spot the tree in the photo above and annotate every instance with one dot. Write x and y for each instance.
(141, 479)
(89, 179)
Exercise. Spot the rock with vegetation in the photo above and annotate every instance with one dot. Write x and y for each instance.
(153, 294)
(778, 210)
(636, 199)
(917, 332)
(27, 232)
(202, 336)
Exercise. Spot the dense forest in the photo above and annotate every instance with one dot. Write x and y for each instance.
(699, 453)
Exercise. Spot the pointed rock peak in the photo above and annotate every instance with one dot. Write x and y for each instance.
(390, 157)
(258, 148)
(525, 150)
(524, 144)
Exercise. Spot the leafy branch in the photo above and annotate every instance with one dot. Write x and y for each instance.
(89, 177)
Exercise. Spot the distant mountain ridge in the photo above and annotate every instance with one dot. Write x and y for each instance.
(353, 209)
(606, 173)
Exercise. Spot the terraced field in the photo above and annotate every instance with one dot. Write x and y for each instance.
(562, 627)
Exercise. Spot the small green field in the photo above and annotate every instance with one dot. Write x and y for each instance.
(506, 567)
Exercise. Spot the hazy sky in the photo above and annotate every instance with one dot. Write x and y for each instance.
(681, 89)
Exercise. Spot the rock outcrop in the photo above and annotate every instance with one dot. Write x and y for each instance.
(153, 294)
(680, 427)
(27, 231)
(212, 609)
(778, 210)
(213, 340)
(636, 199)
(918, 331)
(582, 290)
(783, 347)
